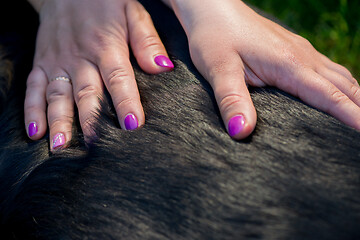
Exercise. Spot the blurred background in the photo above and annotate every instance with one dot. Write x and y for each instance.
(332, 26)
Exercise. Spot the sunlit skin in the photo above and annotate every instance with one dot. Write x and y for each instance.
(232, 46)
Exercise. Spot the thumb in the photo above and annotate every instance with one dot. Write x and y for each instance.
(226, 76)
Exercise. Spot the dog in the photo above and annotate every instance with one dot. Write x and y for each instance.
(180, 176)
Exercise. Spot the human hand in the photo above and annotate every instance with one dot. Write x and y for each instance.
(87, 42)
(232, 46)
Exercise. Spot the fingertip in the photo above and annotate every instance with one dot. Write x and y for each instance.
(133, 119)
(58, 141)
(239, 127)
(130, 113)
(164, 62)
(152, 58)
(236, 126)
(131, 122)
(36, 127)
(154, 63)
(32, 130)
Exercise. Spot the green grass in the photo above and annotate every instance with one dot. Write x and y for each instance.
(332, 26)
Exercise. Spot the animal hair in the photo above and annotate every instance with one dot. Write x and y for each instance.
(180, 176)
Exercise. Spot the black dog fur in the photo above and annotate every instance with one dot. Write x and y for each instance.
(180, 176)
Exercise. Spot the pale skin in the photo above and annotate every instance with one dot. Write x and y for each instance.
(231, 46)
(87, 41)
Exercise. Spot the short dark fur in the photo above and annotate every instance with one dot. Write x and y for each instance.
(180, 176)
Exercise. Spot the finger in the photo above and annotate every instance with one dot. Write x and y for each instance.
(226, 76)
(356, 81)
(350, 89)
(60, 100)
(324, 95)
(88, 89)
(338, 68)
(35, 104)
(118, 75)
(145, 41)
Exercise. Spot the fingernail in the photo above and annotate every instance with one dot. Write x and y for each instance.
(131, 122)
(236, 125)
(32, 129)
(58, 140)
(163, 61)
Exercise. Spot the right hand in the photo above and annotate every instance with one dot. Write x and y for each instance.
(87, 42)
(232, 47)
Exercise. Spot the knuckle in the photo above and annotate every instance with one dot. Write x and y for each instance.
(230, 100)
(338, 97)
(128, 101)
(61, 121)
(355, 81)
(305, 41)
(30, 108)
(344, 69)
(355, 91)
(150, 41)
(118, 76)
(347, 73)
(301, 41)
(86, 92)
(294, 54)
(105, 41)
(33, 83)
(54, 94)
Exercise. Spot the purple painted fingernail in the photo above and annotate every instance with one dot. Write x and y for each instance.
(236, 125)
(32, 129)
(58, 140)
(163, 61)
(131, 122)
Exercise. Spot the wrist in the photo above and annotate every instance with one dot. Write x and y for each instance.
(190, 12)
(185, 10)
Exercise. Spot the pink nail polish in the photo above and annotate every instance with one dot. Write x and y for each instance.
(32, 129)
(236, 125)
(58, 140)
(131, 122)
(163, 61)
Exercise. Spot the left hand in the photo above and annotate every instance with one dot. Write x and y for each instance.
(88, 42)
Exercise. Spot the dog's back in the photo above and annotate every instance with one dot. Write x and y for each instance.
(181, 176)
